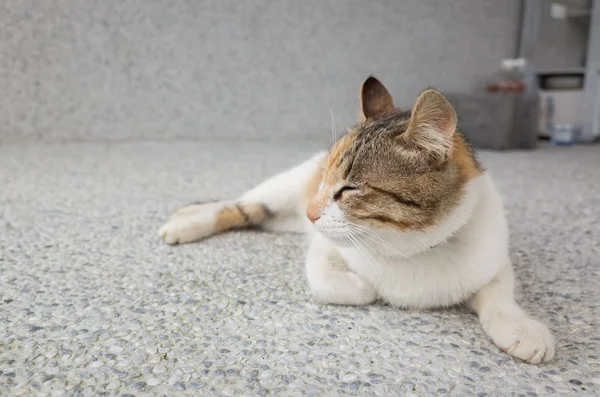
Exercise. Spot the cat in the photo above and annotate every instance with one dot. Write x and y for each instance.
(399, 209)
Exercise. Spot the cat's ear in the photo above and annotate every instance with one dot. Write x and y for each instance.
(432, 123)
(375, 100)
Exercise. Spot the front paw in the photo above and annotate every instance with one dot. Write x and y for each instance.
(186, 229)
(343, 288)
(173, 232)
(191, 223)
(523, 338)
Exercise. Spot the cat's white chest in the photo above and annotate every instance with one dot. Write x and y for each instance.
(444, 275)
(432, 279)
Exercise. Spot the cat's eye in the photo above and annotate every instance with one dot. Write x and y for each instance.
(338, 194)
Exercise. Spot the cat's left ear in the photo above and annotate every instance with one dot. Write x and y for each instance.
(432, 123)
(375, 100)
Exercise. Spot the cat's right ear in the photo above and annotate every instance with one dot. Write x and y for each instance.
(375, 100)
(432, 123)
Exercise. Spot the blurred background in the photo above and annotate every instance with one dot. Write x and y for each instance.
(74, 70)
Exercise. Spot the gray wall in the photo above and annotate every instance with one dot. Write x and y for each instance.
(590, 111)
(562, 43)
(125, 69)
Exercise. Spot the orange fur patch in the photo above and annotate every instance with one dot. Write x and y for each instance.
(463, 158)
(332, 173)
(313, 209)
(241, 215)
(312, 185)
(316, 200)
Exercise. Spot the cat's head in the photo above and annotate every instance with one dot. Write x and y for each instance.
(397, 175)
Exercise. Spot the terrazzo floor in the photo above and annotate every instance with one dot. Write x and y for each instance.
(92, 303)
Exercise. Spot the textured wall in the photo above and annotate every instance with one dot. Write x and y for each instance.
(119, 69)
(590, 112)
(562, 43)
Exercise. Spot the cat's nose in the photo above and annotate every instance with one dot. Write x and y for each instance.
(312, 217)
(313, 212)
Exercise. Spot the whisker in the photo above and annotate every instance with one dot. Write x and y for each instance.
(365, 232)
(333, 129)
(373, 238)
(371, 235)
(369, 256)
(319, 148)
(362, 228)
(385, 245)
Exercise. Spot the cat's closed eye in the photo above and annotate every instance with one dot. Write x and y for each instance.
(339, 193)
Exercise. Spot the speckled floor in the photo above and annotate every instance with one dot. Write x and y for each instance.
(92, 303)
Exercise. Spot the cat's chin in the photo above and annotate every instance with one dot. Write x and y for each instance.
(340, 242)
(339, 239)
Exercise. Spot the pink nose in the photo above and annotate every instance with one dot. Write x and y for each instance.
(313, 213)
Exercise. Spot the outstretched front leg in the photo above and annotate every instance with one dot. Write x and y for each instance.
(277, 204)
(197, 221)
(513, 330)
(329, 279)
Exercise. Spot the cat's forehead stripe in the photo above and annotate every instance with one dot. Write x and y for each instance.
(340, 150)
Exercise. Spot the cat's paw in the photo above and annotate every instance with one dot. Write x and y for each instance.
(191, 223)
(172, 232)
(523, 338)
(342, 288)
(186, 229)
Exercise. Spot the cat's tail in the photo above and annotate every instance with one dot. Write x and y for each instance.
(277, 204)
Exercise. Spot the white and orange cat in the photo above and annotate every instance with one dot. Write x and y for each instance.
(399, 210)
